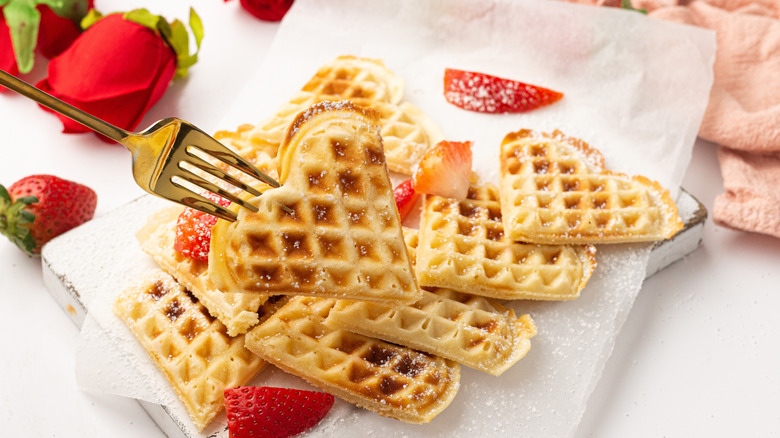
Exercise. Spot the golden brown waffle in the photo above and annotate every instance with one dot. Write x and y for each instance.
(463, 247)
(342, 236)
(412, 239)
(238, 311)
(407, 130)
(475, 331)
(554, 189)
(191, 348)
(260, 154)
(388, 379)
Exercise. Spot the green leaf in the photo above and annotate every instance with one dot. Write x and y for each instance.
(13, 220)
(4, 195)
(143, 17)
(626, 4)
(27, 200)
(27, 244)
(180, 42)
(73, 10)
(23, 21)
(197, 28)
(92, 17)
(52, 4)
(177, 37)
(25, 217)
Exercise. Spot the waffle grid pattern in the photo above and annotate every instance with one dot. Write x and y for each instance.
(238, 311)
(463, 247)
(474, 331)
(407, 130)
(392, 380)
(191, 348)
(343, 238)
(554, 191)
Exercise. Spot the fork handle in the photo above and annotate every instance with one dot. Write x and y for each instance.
(12, 82)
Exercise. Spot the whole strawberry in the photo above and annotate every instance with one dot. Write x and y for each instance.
(38, 208)
(259, 411)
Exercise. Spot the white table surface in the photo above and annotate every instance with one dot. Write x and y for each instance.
(698, 355)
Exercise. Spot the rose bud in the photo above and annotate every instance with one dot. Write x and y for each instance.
(120, 66)
(29, 25)
(267, 10)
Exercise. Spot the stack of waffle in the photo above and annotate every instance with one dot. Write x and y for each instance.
(324, 283)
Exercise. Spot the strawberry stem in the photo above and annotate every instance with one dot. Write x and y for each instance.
(13, 218)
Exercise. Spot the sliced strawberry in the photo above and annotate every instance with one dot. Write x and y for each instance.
(490, 94)
(257, 411)
(405, 197)
(445, 170)
(193, 230)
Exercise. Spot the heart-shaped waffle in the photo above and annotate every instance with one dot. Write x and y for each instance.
(189, 346)
(332, 229)
(554, 189)
(407, 131)
(462, 246)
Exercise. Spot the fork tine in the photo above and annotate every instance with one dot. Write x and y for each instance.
(222, 153)
(208, 185)
(205, 166)
(188, 198)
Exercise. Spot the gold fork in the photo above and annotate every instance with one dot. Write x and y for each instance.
(164, 154)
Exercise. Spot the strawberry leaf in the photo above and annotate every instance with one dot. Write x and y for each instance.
(12, 218)
(4, 195)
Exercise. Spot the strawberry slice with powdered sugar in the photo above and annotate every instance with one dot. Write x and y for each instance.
(445, 170)
(485, 93)
(193, 230)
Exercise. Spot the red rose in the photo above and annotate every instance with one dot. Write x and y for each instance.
(55, 30)
(117, 69)
(267, 10)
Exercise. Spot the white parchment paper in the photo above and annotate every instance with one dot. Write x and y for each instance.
(634, 87)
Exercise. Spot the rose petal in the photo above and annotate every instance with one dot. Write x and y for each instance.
(55, 33)
(122, 111)
(161, 84)
(7, 58)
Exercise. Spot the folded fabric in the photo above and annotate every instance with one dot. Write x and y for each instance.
(743, 113)
(752, 198)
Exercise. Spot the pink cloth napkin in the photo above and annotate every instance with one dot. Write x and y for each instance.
(743, 113)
